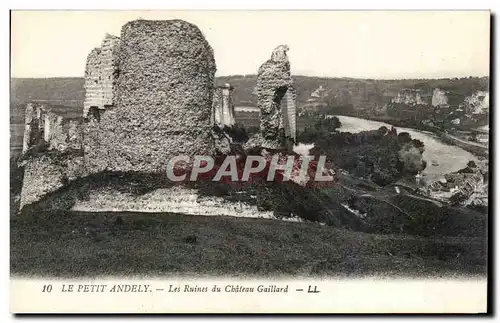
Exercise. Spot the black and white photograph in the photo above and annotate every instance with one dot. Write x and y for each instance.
(160, 157)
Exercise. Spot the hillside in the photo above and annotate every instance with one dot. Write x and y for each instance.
(358, 93)
(343, 96)
(66, 91)
(173, 244)
(394, 233)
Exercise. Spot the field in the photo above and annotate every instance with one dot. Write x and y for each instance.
(172, 244)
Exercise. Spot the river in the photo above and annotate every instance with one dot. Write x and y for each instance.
(449, 158)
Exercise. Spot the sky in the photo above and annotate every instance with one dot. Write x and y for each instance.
(358, 44)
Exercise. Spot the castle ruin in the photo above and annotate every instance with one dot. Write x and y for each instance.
(101, 73)
(276, 99)
(289, 114)
(162, 100)
(150, 96)
(223, 109)
(43, 127)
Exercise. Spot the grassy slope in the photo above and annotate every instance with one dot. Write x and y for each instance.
(161, 244)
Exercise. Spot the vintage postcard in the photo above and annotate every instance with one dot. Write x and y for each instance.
(249, 161)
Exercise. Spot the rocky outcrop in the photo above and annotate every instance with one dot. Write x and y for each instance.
(439, 98)
(477, 103)
(175, 200)
(273, 83)
(409, 97)
(164, 99)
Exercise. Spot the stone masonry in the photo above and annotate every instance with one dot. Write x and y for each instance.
(28, 127)
(274, 83)
(288, 110)
(163, 102)
(43, 127)
(223, 110)
(149, 97)
(101, 73)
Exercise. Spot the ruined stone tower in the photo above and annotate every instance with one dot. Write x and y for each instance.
(28, 127)
(101, 73)
(276, 100)
(223, 110)
(288, 111)
(162, 99)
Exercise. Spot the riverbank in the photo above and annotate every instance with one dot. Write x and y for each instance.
(472, 147)
(441, 157)
(477, 150)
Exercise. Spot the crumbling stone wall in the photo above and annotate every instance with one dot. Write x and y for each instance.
(54, 133)
(31, 126)
(223, 118)
(101, 73)
(62, 134)
(223, 109)
(160, 82)
(37, 126)
(164, 96)
(273, 82)
(93, 89)
(47, 173)
(288, 110)
(51, 154)
(46, 130)
(110, 68)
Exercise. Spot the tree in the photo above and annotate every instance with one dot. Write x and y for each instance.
(379, 155)
(471, 164)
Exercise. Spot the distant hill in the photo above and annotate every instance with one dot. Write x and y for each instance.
(364, 94)
(358, 93)
(66, 91)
